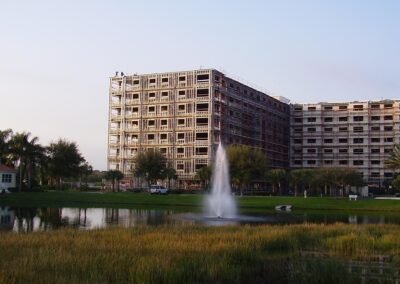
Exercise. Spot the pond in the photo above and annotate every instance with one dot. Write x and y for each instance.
(42, 219)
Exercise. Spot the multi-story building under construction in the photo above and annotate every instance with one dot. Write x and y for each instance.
(359, 135)
(186, 114)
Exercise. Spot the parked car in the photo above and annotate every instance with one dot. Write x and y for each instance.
(158, 189)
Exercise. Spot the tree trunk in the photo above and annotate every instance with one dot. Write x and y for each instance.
(20, 177)
(112, 184)
(295, 189)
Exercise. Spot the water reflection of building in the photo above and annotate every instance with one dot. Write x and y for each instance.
(7, 218)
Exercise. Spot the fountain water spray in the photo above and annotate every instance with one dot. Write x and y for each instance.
(220, 203)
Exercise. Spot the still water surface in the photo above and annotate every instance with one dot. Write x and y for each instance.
(41, 219)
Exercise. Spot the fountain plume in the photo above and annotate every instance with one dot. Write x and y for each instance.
(220, 203)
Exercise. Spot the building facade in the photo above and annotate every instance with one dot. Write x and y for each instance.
(186, 114)
(359, 135)
(7, 178)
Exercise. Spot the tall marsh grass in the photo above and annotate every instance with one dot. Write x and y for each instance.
(188, 254)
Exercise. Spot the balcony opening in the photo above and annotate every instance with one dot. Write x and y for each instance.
(202, 136)
(202, 93)
(181, 122)
(150, 136)
(182, 78)
(152, 81)
(163, 136)
(164, 108)
(201, 151)
(201, 121)
(164, 80)
(202, 107)
(375, 106)
(358, 129)
(203, 78)
(181, 136)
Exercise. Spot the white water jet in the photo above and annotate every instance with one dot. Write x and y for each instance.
(220, 203)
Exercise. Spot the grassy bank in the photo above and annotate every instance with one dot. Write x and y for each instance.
(192, 201)
(194, 254)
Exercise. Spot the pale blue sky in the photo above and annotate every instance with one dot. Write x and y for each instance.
(56, 56)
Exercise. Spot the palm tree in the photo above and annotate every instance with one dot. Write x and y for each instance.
(393, 162)
(276, 177)
(295, 178)
(113, 176)
(27, 152)
(5, 136)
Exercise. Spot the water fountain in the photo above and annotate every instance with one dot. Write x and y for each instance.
(220, 203)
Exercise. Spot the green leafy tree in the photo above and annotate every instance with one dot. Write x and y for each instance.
(276, 177)
(84, 171)
(170, 173)
(396, 183)
(114, 176)
(151, 166)
(64, 160)
(204, 175)
(393, 162)
(246, 165)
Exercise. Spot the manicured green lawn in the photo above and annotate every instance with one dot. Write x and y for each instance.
(188, 201)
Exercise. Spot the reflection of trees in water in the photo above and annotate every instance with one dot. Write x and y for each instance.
(25, 219)
(47, 219)
(79, 220)
(111, 216)
(7, 218)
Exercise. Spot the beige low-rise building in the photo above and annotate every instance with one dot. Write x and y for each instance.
(358, 135)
